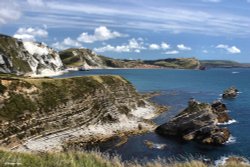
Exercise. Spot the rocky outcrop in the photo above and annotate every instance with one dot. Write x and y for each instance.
(42, 113)
(231, 92)
(28, 58)
(199, 122)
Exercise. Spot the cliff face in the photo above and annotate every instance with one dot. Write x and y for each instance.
(30, 58)
(32, 108)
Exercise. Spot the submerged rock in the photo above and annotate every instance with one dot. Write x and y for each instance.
(199, 122)
(152, 145)
(231, 92)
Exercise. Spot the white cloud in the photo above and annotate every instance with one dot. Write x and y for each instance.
(183, 47)
(232, 49)
(35, 3)
(9, 11)
(172, 52)
(137, 51)
(164, 45)
(154, 46)
(133, 45)
(67, 43)
(205, 51)
(101, 33)
(30, 34)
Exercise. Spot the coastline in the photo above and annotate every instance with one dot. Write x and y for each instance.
(133, 124)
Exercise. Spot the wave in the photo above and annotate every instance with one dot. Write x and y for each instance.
(231, 140)
(228, 123)
(222, 161)
(235, 72)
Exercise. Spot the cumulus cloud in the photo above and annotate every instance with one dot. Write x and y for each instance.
(30, 34)
(101, 33)
(9, 11)
(164, 45)
(67, 43)
(154, 46)
(35, 3)
(172, 52)
(231, 50)
(133, 45)
(183, 47)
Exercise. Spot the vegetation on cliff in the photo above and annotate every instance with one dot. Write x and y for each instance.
(89, 108)
(21, 57)
(223, 64)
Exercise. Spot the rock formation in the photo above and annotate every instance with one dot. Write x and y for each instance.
(198, 122)
(42, 113)
(30, 58)
(231, 92)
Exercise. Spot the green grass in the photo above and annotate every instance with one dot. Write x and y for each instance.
(88, 159)
(50, 92)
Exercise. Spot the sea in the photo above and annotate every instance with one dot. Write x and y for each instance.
(177, 87)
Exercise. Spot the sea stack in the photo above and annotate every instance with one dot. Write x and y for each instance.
(199, 122)
(231, 92)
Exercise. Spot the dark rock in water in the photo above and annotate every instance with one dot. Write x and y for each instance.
(198, 122)
(220, 110)
(230, 92)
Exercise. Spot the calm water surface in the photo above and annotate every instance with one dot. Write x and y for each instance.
(177, 87)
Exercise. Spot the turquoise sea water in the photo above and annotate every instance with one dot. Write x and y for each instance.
(177, 87)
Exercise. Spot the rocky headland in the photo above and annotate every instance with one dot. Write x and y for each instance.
(199, 122)
(41, 114)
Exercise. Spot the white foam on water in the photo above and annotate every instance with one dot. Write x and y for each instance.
(231, 140)
(228, 123)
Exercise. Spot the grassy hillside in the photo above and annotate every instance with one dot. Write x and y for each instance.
(88, 159)
(179, 63)
(222, 64)
(87, 58)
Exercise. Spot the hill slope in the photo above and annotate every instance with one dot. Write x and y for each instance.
(88, 59)
(31, 58)
(223, 64)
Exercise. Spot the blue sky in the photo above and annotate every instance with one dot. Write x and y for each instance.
(145, 29)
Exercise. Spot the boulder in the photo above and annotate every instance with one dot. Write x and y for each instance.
(231, 92)
(199, 122)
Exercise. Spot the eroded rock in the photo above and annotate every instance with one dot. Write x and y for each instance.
(199, 122)
(231, 92)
